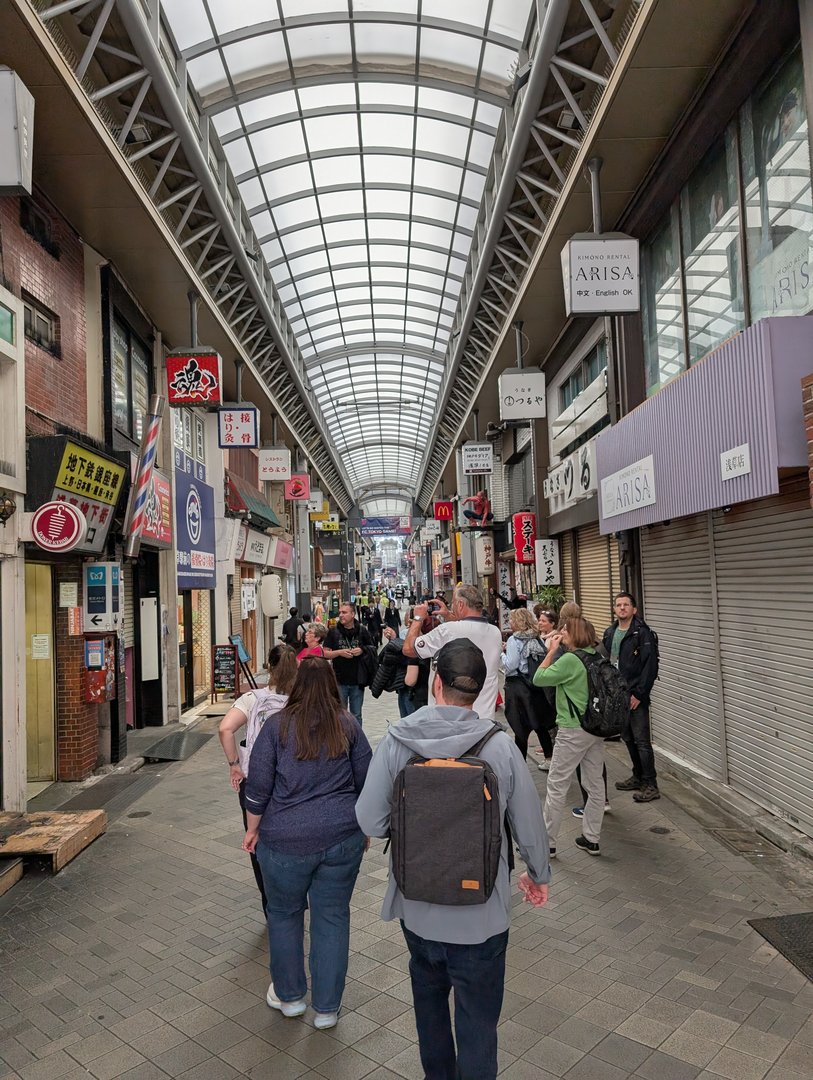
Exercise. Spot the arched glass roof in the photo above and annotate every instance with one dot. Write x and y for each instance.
(359, 133)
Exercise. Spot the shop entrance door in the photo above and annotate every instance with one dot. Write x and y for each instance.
(39, 673)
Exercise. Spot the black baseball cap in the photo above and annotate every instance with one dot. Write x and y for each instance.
(461, 666)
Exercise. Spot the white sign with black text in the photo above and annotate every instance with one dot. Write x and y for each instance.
(522, 394)
(547, 562)
(601, 274)
(478, 458)
(629, 489)
(573, 479)
(274, 463)
(735, 462)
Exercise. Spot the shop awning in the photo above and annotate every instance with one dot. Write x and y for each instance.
(241, 495)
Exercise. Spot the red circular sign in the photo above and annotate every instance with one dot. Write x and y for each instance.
(58, 526)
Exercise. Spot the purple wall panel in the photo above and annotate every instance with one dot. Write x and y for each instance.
(746, 391)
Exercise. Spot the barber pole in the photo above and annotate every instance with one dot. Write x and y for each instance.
(140, 489)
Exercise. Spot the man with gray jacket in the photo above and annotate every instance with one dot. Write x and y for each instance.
(458, 947)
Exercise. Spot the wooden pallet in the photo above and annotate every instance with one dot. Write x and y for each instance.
(55, 837)
(11, 870)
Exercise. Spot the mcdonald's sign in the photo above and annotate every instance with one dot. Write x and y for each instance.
(444, 511)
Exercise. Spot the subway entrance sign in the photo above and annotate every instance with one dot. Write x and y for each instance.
(101, 597)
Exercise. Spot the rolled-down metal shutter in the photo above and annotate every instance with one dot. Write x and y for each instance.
(129, 606)
(593, 552)
(566, 554)
(764, 559)
(236, 606)
(679, 592)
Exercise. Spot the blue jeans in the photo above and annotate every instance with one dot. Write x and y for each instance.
(352, 698)
(406, 705)
(323, 882)
(477, 975)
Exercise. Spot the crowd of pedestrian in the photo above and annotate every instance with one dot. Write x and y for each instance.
(448, 787)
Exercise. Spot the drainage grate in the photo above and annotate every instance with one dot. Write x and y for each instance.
(792, 935)
(743, 842)
(176, 747)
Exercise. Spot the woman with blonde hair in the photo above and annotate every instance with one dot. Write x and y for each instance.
(526, 709)
(252, 710)
(574, 746)
(308, 767)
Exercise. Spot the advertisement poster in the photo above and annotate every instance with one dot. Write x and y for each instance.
(195, 529)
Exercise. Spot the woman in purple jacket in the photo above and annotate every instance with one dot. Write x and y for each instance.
(306, 771)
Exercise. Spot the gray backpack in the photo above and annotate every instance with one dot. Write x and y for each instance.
(446, 828)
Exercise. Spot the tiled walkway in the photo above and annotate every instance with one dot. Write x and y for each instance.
(146, 958)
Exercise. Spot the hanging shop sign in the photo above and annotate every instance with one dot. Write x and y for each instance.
(331, 525)
(524, 537)
(444, 510)
(484, 555)
(629, 489)
(157, 530)
(195, 531)
(547, 562)
(282, 555)
(102, 599)
(431, 527)
(238, 427)
(316, 503)
(522, 394)
(16, 134)
(298, 488)
(194, 378)
(274, 463)
(573, 479)
(601, 274)
(58, 526)
(257, 547)
(478, 458)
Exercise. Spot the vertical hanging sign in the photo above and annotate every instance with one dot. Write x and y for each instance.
(524, 537)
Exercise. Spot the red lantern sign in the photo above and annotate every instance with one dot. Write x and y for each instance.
(444, 511)
(58, 526)
(194, 378)
(524, 537)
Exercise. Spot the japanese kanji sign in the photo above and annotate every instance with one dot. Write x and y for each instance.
(547, 562)
(194, 378)
(524, 537)
(484, 554)
(238, 427)
(522, 394)
(82, 472)
(478, 457)
(275, 463)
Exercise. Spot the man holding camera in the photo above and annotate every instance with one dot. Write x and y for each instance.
(466, 619)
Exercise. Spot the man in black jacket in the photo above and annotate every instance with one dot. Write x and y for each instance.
(633, 649)
(291, 629)
(344, 645)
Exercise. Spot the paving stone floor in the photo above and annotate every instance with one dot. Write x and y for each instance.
(146, 958)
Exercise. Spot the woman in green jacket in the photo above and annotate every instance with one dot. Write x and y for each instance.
(573, 746)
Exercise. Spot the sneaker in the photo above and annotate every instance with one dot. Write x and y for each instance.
(607, 808)
(648, 793)
(287, 1008)
(577, 811)
(633, 784)
(552, 851)
(544, 766)
(325, 1020)
(587, 845)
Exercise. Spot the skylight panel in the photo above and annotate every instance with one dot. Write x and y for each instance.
(377, 42)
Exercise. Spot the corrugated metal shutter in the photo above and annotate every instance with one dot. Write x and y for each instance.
(679, 591)
(236, 607)
(764, 560)
(595, 578)
(129, 606)
(566, 554)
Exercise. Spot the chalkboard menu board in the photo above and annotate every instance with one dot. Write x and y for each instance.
(224, 670)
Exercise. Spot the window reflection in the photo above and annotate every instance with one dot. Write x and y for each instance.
(664, 351)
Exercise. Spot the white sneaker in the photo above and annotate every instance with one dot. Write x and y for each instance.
(287, 1008)
(325, 1020)
(544, 766)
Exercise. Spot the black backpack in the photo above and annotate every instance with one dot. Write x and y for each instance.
(534, 659)
(608, 697)
(446, 828)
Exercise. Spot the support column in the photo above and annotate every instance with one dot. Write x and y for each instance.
(13, 782)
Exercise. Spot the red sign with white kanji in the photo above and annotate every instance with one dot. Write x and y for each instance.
(58, 526)
(444, 511)
(194, 378)
(298, 488)
(524, 537)
(238, 427)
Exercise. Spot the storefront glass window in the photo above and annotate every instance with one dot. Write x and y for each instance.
(141, 388)
(710, 221)
(119, 378)
(6, 324)
(779, 215)
(664, 349)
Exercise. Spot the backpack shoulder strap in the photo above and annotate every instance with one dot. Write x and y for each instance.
(475, 750)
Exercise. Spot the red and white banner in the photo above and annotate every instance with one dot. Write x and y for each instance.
(525, 537)
(58, 526)
(194, 378)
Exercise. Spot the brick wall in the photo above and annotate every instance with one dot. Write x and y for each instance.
(54, 386)
(77, 721)
(807, 405)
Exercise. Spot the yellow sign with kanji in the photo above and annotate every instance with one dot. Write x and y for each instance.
(84, 473)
